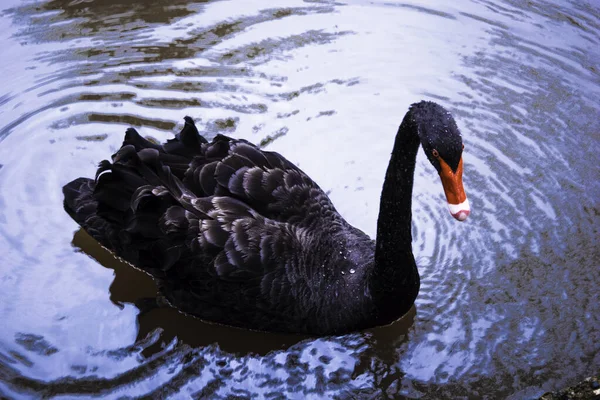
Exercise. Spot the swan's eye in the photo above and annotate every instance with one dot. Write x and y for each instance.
(435, 153)
(463, 146)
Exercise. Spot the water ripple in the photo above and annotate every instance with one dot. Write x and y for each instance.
(507, 307)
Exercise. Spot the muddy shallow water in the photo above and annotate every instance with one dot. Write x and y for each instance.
(509, 304)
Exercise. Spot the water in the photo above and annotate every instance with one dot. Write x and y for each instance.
(509, 303)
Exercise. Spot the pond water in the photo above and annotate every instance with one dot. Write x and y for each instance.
(509, 303)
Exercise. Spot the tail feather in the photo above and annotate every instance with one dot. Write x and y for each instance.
(140, 203)
(188, 142)
(132, 137)
(79, 200)
(82, 206)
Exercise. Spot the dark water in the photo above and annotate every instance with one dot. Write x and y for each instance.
(509, 305)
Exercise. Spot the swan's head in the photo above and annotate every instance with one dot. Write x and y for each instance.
(443, 145)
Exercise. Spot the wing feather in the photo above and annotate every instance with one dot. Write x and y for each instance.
(212, 218)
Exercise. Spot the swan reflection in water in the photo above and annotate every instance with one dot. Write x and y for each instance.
(160, 326)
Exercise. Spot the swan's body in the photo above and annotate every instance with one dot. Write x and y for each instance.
(243, 237)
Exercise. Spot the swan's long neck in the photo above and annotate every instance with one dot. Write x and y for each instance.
(395, 276)
(394, 223)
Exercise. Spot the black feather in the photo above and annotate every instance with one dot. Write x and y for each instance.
(207, 179)
(174, 220)
(214, 233)
(241, 236)
(132, 137)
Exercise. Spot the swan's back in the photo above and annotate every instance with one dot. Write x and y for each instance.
(233, 234)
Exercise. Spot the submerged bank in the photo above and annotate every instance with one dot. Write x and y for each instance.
(588, 389)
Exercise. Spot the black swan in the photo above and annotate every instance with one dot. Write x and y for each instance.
(240, 236)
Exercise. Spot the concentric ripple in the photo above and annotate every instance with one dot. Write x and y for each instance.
(508, 306)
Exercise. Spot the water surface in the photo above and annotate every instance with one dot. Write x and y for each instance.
(509, 304)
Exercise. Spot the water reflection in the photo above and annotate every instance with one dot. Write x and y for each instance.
(131, 285)
(508, 306)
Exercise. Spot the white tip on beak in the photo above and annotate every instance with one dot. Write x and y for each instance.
(460, 211)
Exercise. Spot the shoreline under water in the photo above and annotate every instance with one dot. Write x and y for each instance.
(588, 389)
